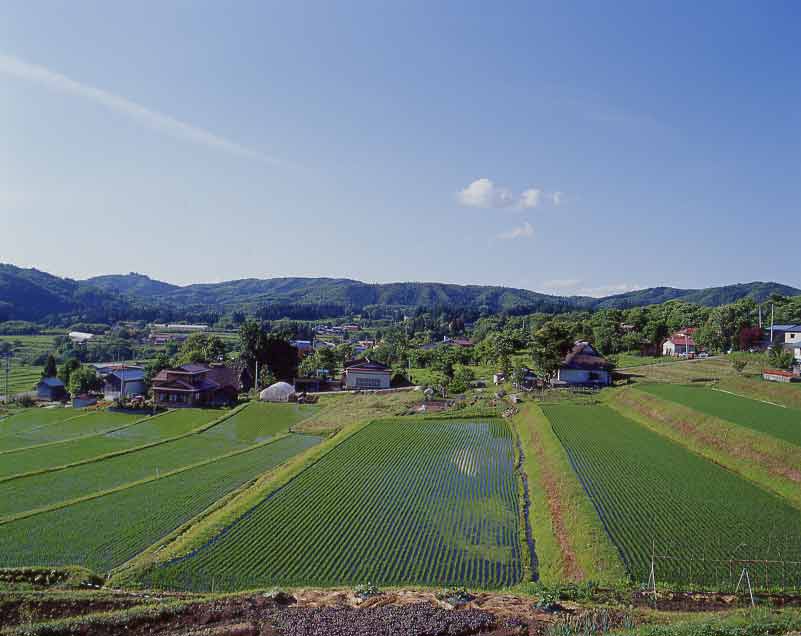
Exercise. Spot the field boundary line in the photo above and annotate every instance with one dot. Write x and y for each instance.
(72, 439)
(748, 397)
(201, 528)
(102, 493)
(127, 451)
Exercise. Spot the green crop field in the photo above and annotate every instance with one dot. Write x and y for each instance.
(105, 532)
(142, 432)
(401, 501)
(649, 491)
(260, 421)
(780, 422)
(256, 422)
(43, 426)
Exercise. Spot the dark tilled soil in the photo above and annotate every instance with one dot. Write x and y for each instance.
(16, 611)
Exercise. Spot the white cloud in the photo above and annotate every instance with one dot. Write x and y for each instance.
(524, 231)
(530, 198)
(152, 119)
(483, 193)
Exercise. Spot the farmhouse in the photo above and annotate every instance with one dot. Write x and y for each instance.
(680, 343)
(51, 389)
(197, 385)
(365, 374)
(127, 381)
(779, 375)
(584, 366)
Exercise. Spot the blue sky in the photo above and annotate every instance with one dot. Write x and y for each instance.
(564, 147)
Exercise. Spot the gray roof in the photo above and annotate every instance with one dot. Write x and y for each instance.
(786, 327)
(52, 382)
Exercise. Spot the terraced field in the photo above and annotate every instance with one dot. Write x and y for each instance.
(648, 490)
(141, 432)
(780, 422)
(232, 434)
(401, 501)
(44, 426)
(24, 376)
(105, 532)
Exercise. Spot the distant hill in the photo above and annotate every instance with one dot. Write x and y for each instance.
(30, 294)
(709, 297)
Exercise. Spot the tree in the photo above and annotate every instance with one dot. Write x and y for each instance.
(159, 363)
(66, 369)
(738, 362)
(550, 344)
(50, 369)
(82, 380)
(780, 357)
(200, 347)
(266, 348)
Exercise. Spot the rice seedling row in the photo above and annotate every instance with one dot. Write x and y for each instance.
(655, 496)
(105, 532)
(403, 501)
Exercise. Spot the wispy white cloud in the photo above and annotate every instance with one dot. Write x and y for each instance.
(485, 193)
(530, 198)
(160, 122)
(523, 231)
(576, 287)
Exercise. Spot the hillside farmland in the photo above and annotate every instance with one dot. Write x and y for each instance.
(400, 502)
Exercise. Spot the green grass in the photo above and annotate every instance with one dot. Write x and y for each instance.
(780, 422)
(146, 431)
(33, 427)
(400, 501)
(649, 491)
(105, 532)
(629, 359)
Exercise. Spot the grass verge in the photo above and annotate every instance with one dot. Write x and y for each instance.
(571, 544)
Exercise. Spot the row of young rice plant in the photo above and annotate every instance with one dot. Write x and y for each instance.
(49, 488)
(43, 426)
(141, 432)
(402, 501)
(104, 532)
(655, 497)
(780, 422)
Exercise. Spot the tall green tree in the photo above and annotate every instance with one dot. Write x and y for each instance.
(50, 370)
(550, 344)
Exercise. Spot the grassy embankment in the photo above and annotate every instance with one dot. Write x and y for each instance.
(571, 544)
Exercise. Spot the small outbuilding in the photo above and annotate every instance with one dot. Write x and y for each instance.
(278, 392)
(51, 389)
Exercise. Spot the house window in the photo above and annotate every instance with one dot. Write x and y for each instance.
(368, 383)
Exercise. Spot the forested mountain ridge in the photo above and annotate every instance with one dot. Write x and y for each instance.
(30, 294)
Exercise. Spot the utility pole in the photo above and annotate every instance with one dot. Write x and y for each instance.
(771, 324)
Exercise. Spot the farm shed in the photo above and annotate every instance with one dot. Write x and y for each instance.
(278, 392)
(583, 366)
(366, 374)
(51, 389)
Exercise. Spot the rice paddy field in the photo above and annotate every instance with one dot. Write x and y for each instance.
(402, 501)
(654, 495)
(781, 422)
(138, 433)
(34, 427)
(144, 458)
(104, 532)
(24, 376)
